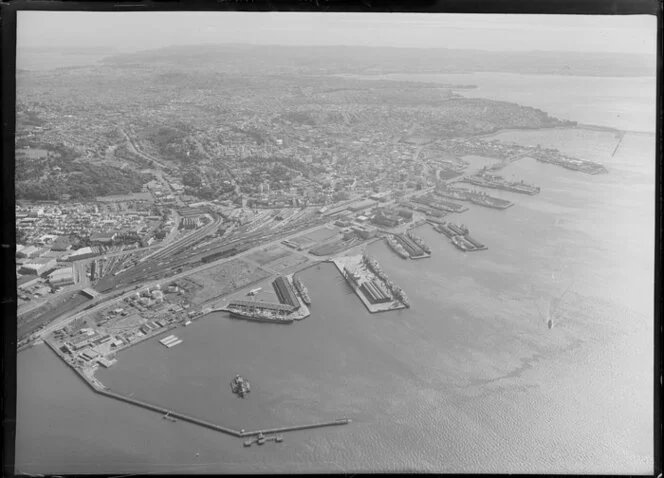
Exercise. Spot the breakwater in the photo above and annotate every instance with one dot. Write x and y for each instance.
(99, 388)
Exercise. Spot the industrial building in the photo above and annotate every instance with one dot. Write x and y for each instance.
(83, 253)
(38, 266)
(26, 281)
(27, 252)
(285, 292)
(364, 232)
(360, 205)
(386, 219)
(61, 277)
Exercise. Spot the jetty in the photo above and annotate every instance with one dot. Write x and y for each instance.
(460, 237)
(101, 389)
(484, 179)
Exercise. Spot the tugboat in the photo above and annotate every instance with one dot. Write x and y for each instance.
(240, 386)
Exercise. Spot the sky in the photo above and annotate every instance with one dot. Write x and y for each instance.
(130, 31)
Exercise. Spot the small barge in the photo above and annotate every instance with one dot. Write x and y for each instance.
(240, 386)
(396, 247)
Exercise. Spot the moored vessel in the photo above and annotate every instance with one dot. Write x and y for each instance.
(483, 199)
(257, 316)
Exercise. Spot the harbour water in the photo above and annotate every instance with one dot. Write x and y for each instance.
(470, 379)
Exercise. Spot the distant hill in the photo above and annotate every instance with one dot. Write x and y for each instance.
(369, 60)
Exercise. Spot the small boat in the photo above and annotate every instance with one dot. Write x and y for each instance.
(261, 439)
(550, 323)
(240, 386)
(170, 418)
(279, 438)
(248, 442)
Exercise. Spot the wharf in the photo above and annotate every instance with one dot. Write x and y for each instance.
(373, 308)
(99, 388)
(460, 237)
(414, 250)
(495, 182)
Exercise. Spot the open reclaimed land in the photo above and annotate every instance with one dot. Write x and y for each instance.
(222, 280)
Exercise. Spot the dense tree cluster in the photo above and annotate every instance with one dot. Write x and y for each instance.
(81, 180)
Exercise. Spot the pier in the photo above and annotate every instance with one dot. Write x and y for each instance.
(99, 388)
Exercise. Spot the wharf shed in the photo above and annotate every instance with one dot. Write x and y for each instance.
(285, 292)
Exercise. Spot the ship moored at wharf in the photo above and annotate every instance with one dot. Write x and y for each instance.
(302, 290)
(260, 311)
(419, 241)
(412, 248)
(459, 235)
(487, 180)
(451, 193)
(396, 247)
(373, 266)
(436, 203)
(483, 199)
(554, 157)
